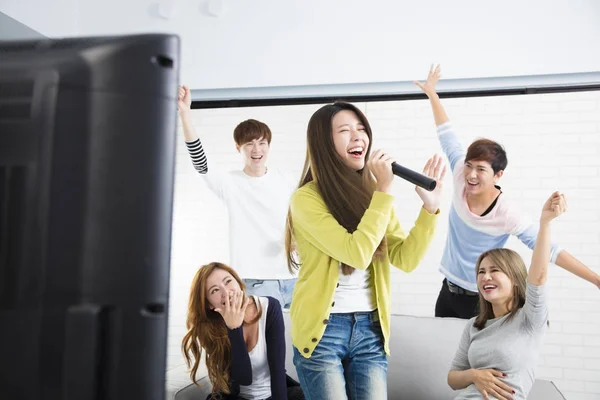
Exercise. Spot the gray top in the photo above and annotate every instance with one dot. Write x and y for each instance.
(511, 347)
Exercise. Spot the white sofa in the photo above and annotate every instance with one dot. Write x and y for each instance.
(422, 349)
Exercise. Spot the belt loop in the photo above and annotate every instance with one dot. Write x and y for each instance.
(374, 316)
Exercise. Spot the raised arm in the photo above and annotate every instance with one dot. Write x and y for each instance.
(448, 139)
(217, 182)
(553, 207)
(184, 102)
(439, 114)
(536, 303)
(528, 233)
(406, 252)
(566, 261)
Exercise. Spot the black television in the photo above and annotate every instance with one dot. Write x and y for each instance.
(87, 156)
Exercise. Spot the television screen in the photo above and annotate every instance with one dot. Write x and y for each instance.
(87, 151)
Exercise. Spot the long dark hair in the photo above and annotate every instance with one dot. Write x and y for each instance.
(346, 193)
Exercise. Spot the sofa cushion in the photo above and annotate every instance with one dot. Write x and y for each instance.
(421, 348)
(421, 352)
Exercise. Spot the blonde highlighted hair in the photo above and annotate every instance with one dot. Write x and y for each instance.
(511, 263)
(207, 330)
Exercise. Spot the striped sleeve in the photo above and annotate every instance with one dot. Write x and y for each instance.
(198, 157)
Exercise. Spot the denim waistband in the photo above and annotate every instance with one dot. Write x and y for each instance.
(371, 316)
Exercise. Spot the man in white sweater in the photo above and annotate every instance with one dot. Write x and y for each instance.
(257, 199)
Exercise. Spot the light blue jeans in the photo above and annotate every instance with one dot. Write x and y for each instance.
(348, 363)
(281, 289)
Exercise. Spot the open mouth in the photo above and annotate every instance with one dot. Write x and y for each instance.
(356, 152)
(489, 287)
(472, 184)
(256, 158)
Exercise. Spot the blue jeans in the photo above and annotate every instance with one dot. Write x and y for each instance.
(348, 363)
(281, 289)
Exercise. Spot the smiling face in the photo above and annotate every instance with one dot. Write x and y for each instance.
(255, 153)
(494, 285)
(218, 285)
(485, 163)
(480, 178)
(350, 139)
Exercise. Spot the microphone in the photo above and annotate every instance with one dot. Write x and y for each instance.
(414, 177)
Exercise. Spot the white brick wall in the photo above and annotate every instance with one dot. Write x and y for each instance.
(553, 143)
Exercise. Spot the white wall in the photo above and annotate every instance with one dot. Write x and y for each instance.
(553, 143)
(11, 29)
(52, 18)
(282, 43)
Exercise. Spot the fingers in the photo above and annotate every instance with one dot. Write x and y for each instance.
(228, 301)
(239, 301)
(438, 164)
(496, 373)
(504, 388)
(245, 304)
(500, 394)
(434, 71)
(485, 395)
(432, 77)
(561, 202)
(381, 156)
(443, 173)
(500, 390)
(558, 203)
(376, 155)
(183, 93)
(435, 168)
(235, 301)
(386, 158)
(427, 167)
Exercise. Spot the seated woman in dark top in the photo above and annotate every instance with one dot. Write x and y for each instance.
(243, 338)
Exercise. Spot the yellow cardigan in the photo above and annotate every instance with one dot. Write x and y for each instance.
(322, 243)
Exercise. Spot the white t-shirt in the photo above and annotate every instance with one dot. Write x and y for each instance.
(261, 373)
(355, 292)
(257, 209)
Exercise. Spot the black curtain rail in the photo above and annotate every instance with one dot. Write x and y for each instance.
(393, 91)
(288, 101)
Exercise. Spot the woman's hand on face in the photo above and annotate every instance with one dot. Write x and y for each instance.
(234, 310)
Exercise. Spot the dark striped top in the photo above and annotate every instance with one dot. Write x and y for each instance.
(198, 157)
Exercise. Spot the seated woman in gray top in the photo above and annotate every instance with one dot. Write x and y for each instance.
(499, 348)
